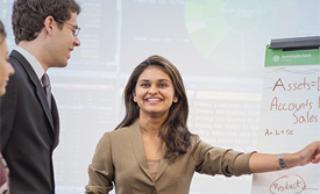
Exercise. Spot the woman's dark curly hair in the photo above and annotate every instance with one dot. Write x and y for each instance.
(2, 32)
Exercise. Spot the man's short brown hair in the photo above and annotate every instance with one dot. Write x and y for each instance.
(28, 16)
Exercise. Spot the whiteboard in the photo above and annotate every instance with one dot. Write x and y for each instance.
(290, 117)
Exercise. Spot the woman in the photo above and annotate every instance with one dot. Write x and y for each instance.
(152, 150)
(5, 68)
(5, 71)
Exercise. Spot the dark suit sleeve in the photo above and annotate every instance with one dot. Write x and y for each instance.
(8, 110)
(101, 170)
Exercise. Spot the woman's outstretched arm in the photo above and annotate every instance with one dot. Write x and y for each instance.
(260, 162)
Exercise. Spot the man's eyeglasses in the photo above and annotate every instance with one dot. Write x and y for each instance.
(75, 29)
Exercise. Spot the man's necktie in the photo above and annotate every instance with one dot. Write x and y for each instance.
(47, 87)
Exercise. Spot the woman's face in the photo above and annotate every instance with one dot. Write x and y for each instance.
(154, 92)
(5, 68)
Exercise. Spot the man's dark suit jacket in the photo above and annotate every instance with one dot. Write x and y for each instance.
(29, 131)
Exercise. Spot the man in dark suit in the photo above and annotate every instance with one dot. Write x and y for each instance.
(45, 33)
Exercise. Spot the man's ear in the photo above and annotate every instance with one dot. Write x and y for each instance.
(49, 24)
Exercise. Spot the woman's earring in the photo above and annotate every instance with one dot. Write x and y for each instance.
(175, 100)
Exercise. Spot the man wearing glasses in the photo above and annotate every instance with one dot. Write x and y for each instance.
(46, 34)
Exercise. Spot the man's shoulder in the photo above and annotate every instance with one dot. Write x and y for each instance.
(17, 61)
(23, 69)
(16, 57)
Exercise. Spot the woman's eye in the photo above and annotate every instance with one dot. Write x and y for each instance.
(163, 85)
(144, 85)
